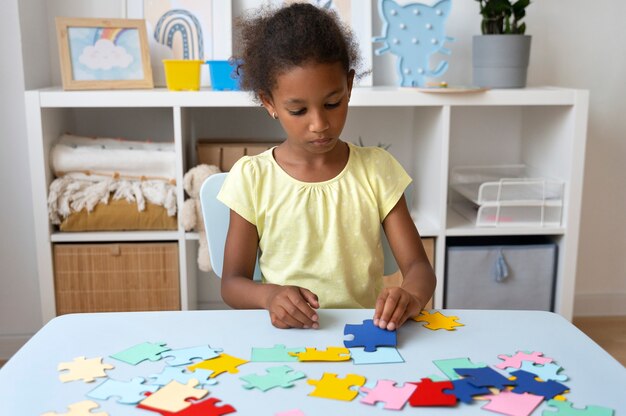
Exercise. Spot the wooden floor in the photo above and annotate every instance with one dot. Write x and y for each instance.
(608, 331)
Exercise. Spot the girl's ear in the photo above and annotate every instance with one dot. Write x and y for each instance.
(268, 104)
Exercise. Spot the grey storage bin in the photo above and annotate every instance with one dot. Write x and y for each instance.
(501, 277)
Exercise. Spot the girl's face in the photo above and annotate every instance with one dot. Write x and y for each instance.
(311, 102)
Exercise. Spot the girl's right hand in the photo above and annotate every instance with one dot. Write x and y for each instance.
(292, 307)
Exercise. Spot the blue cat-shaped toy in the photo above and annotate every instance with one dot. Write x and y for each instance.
(414, 32)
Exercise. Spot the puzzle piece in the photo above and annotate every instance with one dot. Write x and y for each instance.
(565, 408)
(332, 387)
(369, 336)
(386, 391)
(294, 412)
(141, 352)
(465, 391)
(79, 409)
(515, 361)
(221, 364)
(330, 354)
(83, 369)
(430, 393)
(182, 376)
(546, 372)
(278, 354)
(206, 407)
(281, 376)
(485, 377)
(526, 383)
(382, 355)
(438, 320)
(185, 356)
(447, 366)
(173, 397)
(129, 392)
(512, 404)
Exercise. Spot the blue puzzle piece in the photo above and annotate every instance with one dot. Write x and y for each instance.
(382, 355)
(182, 375)
(526, 383)
(141, 352)
(129, 392)
(464, 390)
(369, 336)
(485, 377)
(185, 356)
(549, 371)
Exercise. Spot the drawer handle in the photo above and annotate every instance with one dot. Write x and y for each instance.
(500, 268)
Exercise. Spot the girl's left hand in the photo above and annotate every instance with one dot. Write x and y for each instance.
(394, 306)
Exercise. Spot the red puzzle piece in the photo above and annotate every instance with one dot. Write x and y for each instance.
(198, 408)
(430, 393)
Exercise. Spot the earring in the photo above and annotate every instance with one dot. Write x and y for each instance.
(274, 115)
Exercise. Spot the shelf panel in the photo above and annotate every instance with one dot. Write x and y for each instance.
(425, 227)
(361, 97)
(192, 236)
(101, 236)
(459, 226)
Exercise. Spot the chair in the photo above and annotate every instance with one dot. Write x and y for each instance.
(216, 217)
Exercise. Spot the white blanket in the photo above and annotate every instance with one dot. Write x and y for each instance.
(97, 158)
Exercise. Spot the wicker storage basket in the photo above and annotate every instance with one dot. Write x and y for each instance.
(116, 277)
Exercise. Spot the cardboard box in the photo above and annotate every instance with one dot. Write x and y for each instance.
(224, 153)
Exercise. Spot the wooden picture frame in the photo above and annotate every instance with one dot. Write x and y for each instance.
(103, 53)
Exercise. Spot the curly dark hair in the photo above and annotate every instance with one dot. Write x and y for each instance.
(273, 41)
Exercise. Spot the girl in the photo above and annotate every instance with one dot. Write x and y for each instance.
(313, 206)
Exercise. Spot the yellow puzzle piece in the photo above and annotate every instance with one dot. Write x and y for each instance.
(331, 354)
(80, 409)
(219, 364)
(173, 396)
(438, 320)
(83, 369)
(331, 387)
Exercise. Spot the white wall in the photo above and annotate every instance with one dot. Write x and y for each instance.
(574, 45)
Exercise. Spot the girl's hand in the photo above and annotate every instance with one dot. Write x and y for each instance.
(394, 306)
(292, 307)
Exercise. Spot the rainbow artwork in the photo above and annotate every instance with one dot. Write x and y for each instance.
(105, 53)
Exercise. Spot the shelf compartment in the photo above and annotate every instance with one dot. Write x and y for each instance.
(459, 226)
(61, 237)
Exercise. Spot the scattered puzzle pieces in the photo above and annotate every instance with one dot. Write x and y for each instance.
(465, 391)
(330, 354)
(387, 392)
(448, 365)
(141, 352)
(129, 392)
(565, 408)
(515, 361)
(206, 407)
(182, 376)
(430, 393)
(382, 355)
(80, 409)
(173, 397)
(83, 369)
(512, 404)
(485, 377)
(369, 336)
(281, 376)
(526, 383)
(549, 371)
(221, 364)
(278, 354)
(184, 356)
(438, 320)
(332, 387)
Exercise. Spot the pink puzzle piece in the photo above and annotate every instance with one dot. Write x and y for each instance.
(386, 391)
(512, 404)
(515, 361)
(294, 412)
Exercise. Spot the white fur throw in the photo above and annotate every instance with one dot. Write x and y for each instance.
(97, 158)
(68, 195)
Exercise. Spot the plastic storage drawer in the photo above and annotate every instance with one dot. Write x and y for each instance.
(500, 277)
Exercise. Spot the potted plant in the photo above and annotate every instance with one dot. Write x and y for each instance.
(501, 54)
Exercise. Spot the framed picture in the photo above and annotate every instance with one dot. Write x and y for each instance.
(103, 54)
(185, 29)
(358, 16)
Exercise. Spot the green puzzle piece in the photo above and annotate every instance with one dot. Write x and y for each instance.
(447, 366)
(282, 376)
(141, 352)
(564, 408)
(278, 354)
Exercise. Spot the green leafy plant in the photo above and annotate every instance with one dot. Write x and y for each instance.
(503, 16)
(382, 145)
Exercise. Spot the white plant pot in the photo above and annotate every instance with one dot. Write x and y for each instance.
(500, 61)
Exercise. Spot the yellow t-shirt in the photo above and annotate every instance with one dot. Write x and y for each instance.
(323, 236)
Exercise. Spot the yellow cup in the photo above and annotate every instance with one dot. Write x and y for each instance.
(182, 74)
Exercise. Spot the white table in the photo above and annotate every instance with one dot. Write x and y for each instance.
(29, 383)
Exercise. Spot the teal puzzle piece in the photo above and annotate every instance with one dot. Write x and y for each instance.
(565, 408)
(278, 354)
(447, 366)
(281, 376)
(184, 356)
(141, 352)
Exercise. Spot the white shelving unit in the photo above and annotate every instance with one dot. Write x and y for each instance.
(429, 134)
